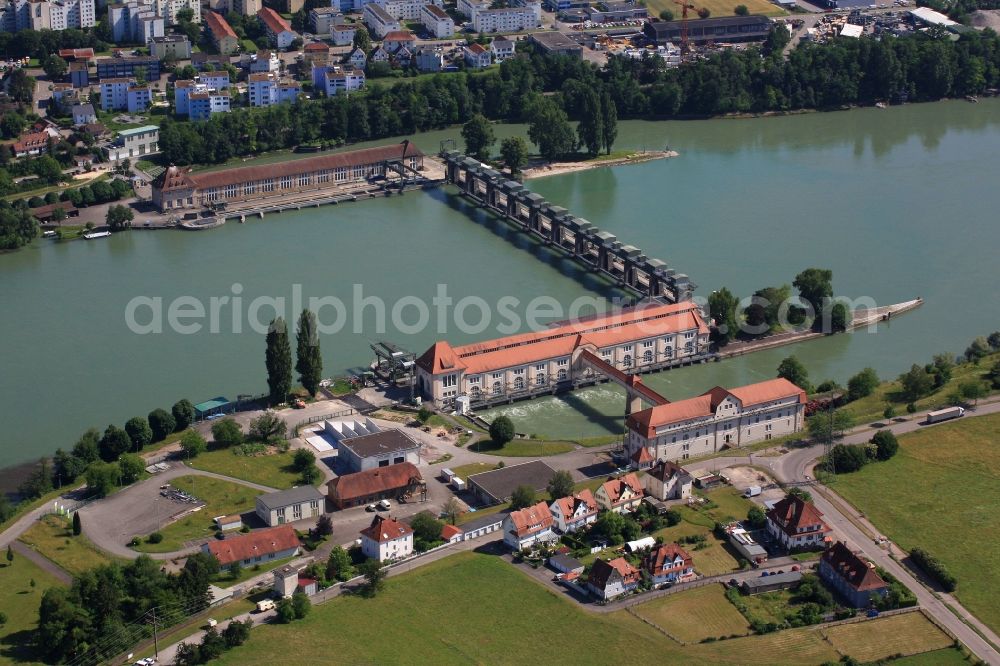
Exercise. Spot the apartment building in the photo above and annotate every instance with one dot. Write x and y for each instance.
(47, 15)
(337, 79)
(379, 21)
(175, 47)
(279, 32)
(223, 35)
(508, 19)
(436, 21)
(323, 18)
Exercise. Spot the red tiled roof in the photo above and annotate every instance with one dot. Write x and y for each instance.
(662, 558)
(793, 513)
(372, 482)
(642, 455)
(318, 47)
(603, 570)
(273, 20)
(219, 26)
(173, 178)
(567, 505)
(704, 405)
(385, 529)
(31, 141)
(532, 519)
(855, 571)
(478, 49)
(615, 488)
(398, 36)
(256, 544)
(448, 532)
(76, 54)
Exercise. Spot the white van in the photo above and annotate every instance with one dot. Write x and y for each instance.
(265, 605)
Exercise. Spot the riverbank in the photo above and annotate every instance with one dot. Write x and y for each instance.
(542, 169)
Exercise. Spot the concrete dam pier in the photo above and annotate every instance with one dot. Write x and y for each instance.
(597, 250)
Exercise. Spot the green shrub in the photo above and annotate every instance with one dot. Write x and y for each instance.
(155, 537)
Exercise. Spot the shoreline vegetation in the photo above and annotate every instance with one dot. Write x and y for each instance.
(558, 168)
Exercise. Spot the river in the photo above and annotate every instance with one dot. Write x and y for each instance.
(897, 202)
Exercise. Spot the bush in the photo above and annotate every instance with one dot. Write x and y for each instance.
(885, 443)
(227, 432)
(862, 384)
(934, 568)
(155, 537)
(424, 414)
(846, 459)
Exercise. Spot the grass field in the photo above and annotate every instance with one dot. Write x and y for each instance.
(19, 601)
(465, 471)
(696, 614)
(946, 657)
(945, 490)
(769, 606)
(526, 448)
(52, 536)
(485, 611)
(273, 470)
(715, 558)
(717, 7)
(910, 633)
(221, 498)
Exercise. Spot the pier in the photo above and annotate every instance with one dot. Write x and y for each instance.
(596, 250)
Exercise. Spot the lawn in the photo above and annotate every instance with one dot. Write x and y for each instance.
(715, 558)
(19, 601)
(717, 7)
(524, 448)
(945, 490)
(769, 606)
(221, 498)
(946, 657)
(910, 633)
(696, 614)
(273, 470)
(476, 608)
(465, 471)
(182, 631)
(52, 536)
(223, 579)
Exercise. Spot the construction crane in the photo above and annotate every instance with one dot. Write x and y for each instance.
(685, 6)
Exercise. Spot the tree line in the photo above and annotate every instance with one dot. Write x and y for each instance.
(278, 357)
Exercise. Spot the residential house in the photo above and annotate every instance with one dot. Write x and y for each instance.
(436, 21)
(428, 58)
(379, 55)
(17, 15)
(84, 114)
(853, 577)
(620, 495)
(79, 74)
(610, 579)
(268, 90)
(476, 56)
(393, 40)
(65, 96)
(279, 31)
(501, 48)
(375, 484)
(286, 506)
(343, 34)
(262, 62)
(334, 80)
(379, 21)
(138, 98)
(471, 7)
(387, 539)
(315, 53)
(401, 57)
(668, 563)
(357, 58)
(114, 93)
(528, 527)
(32, 143)
(215, 80)
(666, 481)
(574, 512)
(258, 547)
(223, 36)
(795, 524)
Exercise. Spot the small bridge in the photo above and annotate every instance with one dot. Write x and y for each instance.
(599, 251)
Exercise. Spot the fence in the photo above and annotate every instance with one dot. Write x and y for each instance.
(325, 417)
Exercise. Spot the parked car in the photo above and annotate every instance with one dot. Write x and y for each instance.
(370, 507)
(384, 505)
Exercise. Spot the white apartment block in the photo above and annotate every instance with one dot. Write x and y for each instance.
(47, 15)
(268, 90)
(337, 79)
(215, 84)
(114, 93)
(436, 21)
(135, 143)
(405, 10)
(508, 19)
(379, 21)
(322, 19)
(471, 7)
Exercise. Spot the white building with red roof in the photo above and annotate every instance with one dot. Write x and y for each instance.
(573, 512)
(717, 419)
(666, 481)
(387, 539)
(668, 563)
(795, 524)
(528, 527)
(610, 579)
(620, 495)
(258, 547)
(279, 31)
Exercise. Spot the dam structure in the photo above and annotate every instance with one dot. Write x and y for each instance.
(598, 251)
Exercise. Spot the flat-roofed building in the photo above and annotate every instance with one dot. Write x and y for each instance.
(378, 449)
(338, 79)
(507, 19)
(556, 43)
(640, 339)
(176, 47)
(718, 30)
(135, 143)
(288, 506)
(121, 66)
(203, 105)
(323, 18)
(717, 419)
(497, 486)
(178, 188)
(342, 34)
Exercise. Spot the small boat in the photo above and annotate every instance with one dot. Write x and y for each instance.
(881, 105)
(48, 234)
(96, 234)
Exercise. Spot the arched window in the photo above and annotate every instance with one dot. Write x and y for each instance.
(561, 375)
(475, 393)
(519, 383)
(627, 362)
(497, 388)
(540, 379)
(647, 356)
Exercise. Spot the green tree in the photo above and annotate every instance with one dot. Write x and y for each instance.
(183, 412)
(590, 129)
(549, 129)
(994, 375)
(66, 467)
(192, 443)
(452, 509)
(815, 286)
(55, 67)
(87, 448)
(237, 633)
(139, 432)
(916, 383)
(227, 432)
(119, 217)
(114, 443)
(38, 482)
(839, 318)
(666, 15)
(524, 496)
(722, 306)
(822, 427)
(560, 485)
(77, 525)
(324, 526)
(285, 611)
(741, 10)
(102, 478)
(48, 169)
(889, 412)
(162, 423)
(426, 531)
(267, 428)
(973, 390)
(979, 348)
(278, 360)
(130, 467)
(792, 369)
(846, 459)
(609, 122)
(374, 574)
(756, 517)
(20, 86)
(501, 430)
(514, 151)
(309, 360)
(339, 565)
(479, 137)
(362, 40)
(941, 368)
(862, 384)
(301, 604)
(704, 13)
(303, 459)
(885, 444)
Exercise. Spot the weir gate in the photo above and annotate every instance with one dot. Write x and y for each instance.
(599, 251)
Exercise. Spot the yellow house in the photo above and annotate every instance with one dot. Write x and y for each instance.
(620, 495)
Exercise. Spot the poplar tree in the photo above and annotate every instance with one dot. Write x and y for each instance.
(609, 127)
(278, 359)
(309, 361)
(591, 127)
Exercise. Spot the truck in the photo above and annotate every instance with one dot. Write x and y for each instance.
(752, 491)
(944, 414)
(457, 483)
(265, 605)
